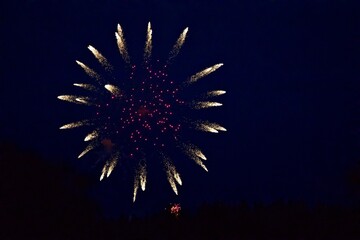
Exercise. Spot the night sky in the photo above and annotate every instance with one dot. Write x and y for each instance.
(291, 72)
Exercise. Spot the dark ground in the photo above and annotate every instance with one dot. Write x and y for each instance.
(41, 201)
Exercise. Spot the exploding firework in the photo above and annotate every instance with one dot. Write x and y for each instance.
(142, 113)
(175, 209)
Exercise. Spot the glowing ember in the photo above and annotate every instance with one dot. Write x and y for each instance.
(175, 209)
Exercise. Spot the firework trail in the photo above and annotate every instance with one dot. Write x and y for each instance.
(199, 162)
(148, 46)
(208, 127)
(109, 166)
(84, 100)
(140, 178)
(92, 135)
(200, 105)
(113, 90)
(194, 153)
(215, 93)
(89, 71)
(136, 187)
(88, 87)
(172, 175)
(141, 115)
(204, 72)
(102, 60)
(70, 98)
(90, 147)
(122, 44)
(176, 48)
(75, 124)
(172, 184)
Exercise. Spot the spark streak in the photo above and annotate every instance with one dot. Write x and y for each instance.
(176, 48)
(204, 73)
(83, 100)
(75, 124)
(177, 177)
(92, 135)
(209, 127)
(215, 93)
(200, 105)
(142, 177)
(136, 187)
(172, 174)
(195, 154)
(85, 86)
(102, 60)
(200, 163)
(172, 171)
(109, 166)
(89, 71)
(113, 89)
(194, 151)
(148, 45)
(104, 171)
(122, 44)
(75, 99)
(90, 147)
(69, 98)
(172, 184)
(139, 179)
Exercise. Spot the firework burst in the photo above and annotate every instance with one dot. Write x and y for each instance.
(141, 114)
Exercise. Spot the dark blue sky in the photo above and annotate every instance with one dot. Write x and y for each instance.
(290, 71)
